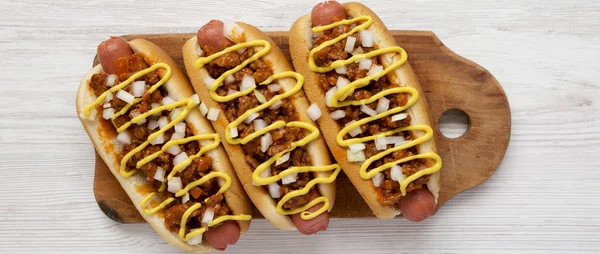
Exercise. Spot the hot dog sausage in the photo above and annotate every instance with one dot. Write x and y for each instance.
(314, 225)
(222, 236)
(417, 205)
(110, 50)
(211, 34)
(326, 13)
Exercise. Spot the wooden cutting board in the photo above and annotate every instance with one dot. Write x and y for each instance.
(449, 82)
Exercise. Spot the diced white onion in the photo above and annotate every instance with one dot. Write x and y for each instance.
(377, 179)
(282, 159)
(366, 38)
(329, 95)
(314, 112)
(383, 105)
(135, 114)
(234, 132)
(274, 87)
(259, 124)
(251, 117)
(208, 216)
(350, 42)
(241, 50)
(158, 140)
(195, 240)
(124, 138)
(342, 82)
(176, 136)
(399, 117)
(358, 51)
(259, 96)
(174, 185)
(396, 173)
(155, 105)
(138, 88)
(247, 82)
(394, 140)
(265, 142)
(180, 158)
(109, 97)
(354, 131)
(180, 127)
(341, 70)
(365, 109)
(230, 92)
(289, 179)
(175, 113)
(274, 190)
(338, 114)
(196, 99)
(357, 147)
(355, 156)
(152, 124)
(266, 173)
(232, 31)
(213, 114)
(199, 51)
(276, 105)
(380, 143)
(167, 100)
(365, 64)
(229, 79)
(203, 109)
(185, 198)
(374, 70)
(163, 121)
(106, 105)
(110, 80)
(174, 149)
(208, 81)
(108, 113)
(160, 174)
(125, 96)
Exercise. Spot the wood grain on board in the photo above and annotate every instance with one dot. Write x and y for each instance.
(449, 82)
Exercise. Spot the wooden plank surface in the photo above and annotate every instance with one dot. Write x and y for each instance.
(449, 82)
(542, 199)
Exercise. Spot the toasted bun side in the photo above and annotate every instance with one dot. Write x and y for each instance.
(300, 40)
(109, 148)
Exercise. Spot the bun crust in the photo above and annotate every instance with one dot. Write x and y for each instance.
(107, 146)
(300, 44)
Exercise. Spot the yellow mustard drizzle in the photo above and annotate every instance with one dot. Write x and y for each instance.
(313, 131)
(189, 105)
(339, 100)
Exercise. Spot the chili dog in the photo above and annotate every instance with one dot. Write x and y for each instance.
(376, 121)
(141, 114)
(256, 103)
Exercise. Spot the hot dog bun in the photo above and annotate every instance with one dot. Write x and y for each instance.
(103, 138)
(300, 38)
(317, 148)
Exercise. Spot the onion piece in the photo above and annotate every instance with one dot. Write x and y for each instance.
(259, 124)
(290, 178)
(357, 147)
(185, 198)
(396, 173)
(314, 112)
(380, 143)
(259, 96)
(234, 132)
(338, 114)
(365, 109)
(175, 113)
(195, 240)
(180, 127)
(230, 92)
(229, 79)
(232, 31)
(355, 156)
(354, 131)
(375, 69)
(108, 113)
(274, 190)
(394, 140)
(399, 117)
(342, 82)
(247, 83)
(265, 142)
(158, 139)
(180, 158)
(162, 122)
(282, 159)
(208, 81)
(365, 64)
(135, 114)
(358, 51)
(203, 109)
(125, 96)
(167, 100)
(213, 114)
(124, 138)
(208, 216)
(329, 95)
(138, 88)
(377, 179)
(174, 149)
(109, 97)
(350, 42)
(266, 173)
(383, 105)
(274, 87)
(152, 124)
(196, 99)
(110, 80)
(251, 117)
(174, 185)
(366, 38)
(276, 105)
(341, 70)
(106, 105)
(176, 136)
(199, 51)
(160, 174)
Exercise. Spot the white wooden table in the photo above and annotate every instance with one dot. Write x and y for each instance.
(543, 198)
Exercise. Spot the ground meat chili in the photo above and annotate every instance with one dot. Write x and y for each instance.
(389, 191)
(196, 170)
(282, 138)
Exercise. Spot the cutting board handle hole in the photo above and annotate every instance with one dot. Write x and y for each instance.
(454, 123)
